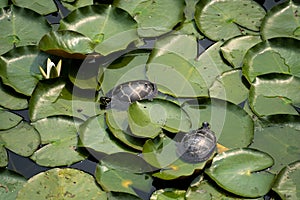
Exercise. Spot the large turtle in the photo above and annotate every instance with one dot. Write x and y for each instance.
(121, 96)
(197, 145)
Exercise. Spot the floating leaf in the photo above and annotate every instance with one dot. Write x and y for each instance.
(168, 193)
(121, 181)
(66, 43)
(239, 171)
(146, 118)
(19, 68)
(129, 67)
(220, 115)
(110, 28)
(93, 135)
(287, 182)
(59, 139)
(61, 184)
(235, 49)
(216, 20)
(3, 155)
(11, 183)
(42, 7)
(8, 119)
(190, 8)
(279, 139)
(22, 139)
(277, 55)
(274, 91)
(22, 27)
(73, 5)
(53, 97)
(154, 18)
(274, 24)
(121, 195)
(229, 87)
(11, 99)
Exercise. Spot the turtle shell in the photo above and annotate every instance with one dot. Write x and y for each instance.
(126, 93)
(197, 145)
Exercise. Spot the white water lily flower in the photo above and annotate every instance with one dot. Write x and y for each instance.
(52, 71)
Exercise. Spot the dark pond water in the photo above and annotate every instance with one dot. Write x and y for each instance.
(28, 168)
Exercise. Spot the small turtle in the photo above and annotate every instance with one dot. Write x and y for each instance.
(197, 145)
(121, 96)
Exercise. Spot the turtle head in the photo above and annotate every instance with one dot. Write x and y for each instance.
(105, 101)
(205, 125)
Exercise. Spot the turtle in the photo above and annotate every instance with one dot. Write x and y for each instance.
(121, 96)
(197, 145)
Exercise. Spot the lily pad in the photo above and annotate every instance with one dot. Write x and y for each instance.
(22, 27)
(3, 156)
(235, 49)
(216, 20)
(279, 138)
(11, 183)
(73, 5)
(277, 55)
(93, 135)
(42, 7)
(122, 181)
(53, 97)
(274, 23)
(154, 18)
(239, 171)
(59, 140)
(287, 182)
(221, 115)
(111, 29)
(11, 99)
(146, 118)
(168, 194)
(8, 119)
(230, 87)
(61, 184)
(128, 67)
(66, 43)
(19, 68)
(271, 91)
(22, 139)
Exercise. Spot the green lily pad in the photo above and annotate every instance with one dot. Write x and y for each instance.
(66, 43)
(274, 24)
(11, 183)
(73, 5)
(277, 55)
(3, 3)
(221, 115)
(43, 7)
(229, 87)
(190, 8)
(22, 27)
(59, 139)
(126, 162)
(287, 182)
(20, 68)
(129, 67)
(3, 156)
(53, 97)
(146, 118)
(279, 138)
(22, 139)
(168, 194)
(111, 29)
(121, 195)
(271, 91)
(239, 171)
(11, 99)
(61, 184)
(93, 135)
(162, 154)
(154, 18)
(118, 125)
(8, 119)
(235, 49)
(216, 20)
(189, 28)
(122, 181)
